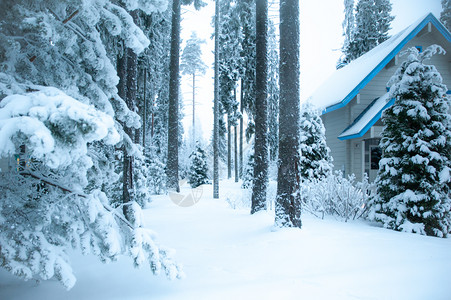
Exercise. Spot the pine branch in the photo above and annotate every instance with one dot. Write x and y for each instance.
(79, 194)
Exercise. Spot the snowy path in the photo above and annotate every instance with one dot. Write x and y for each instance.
(228, 254)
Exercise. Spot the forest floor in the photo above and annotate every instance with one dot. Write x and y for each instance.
(227, 253)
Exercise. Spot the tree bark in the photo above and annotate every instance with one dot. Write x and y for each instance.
(241, 128)
(173, 116)
(122, 92)
(261, 110)
(144, 115)
(194, 109)
(229, 148)
(236, 153)
(288, 204)
(216, 108)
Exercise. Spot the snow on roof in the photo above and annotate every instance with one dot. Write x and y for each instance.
(367, 118)
(344, 84)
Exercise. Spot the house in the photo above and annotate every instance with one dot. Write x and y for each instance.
(353, 98)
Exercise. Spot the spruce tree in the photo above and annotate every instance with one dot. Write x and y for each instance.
(198, 169)
(315, 159)
(413, 182)
(445, 15)
(372, 22)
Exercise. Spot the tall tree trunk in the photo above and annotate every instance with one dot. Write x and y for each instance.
(216, 108)
(132, 81)
(241, 128)
(229, 147)
(122, 92)
(194, 109)
(173, 116)
(144, 115)
(261, 110)
(236, 152)
(288, 204)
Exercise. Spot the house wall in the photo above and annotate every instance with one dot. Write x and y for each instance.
(334, 122)
(4, 164)
(348, 155)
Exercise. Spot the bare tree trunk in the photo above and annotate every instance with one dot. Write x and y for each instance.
(194, 109)
(144, 115)
(122, 92)
(236, 153)
(261, 110)
(173, 116)
(288, 204)
(229, 148)
(241, 129)
(216, 109)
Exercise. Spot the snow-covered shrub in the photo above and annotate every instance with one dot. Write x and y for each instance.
(198, 172)
(413, 182)
(336, 195)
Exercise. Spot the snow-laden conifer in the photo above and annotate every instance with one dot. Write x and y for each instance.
(413, 182)
(445, 15)
(315, 159)
(372, 23)
(63, 117)
(198, 171)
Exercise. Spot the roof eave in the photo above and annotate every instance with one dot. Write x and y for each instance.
(429, 18)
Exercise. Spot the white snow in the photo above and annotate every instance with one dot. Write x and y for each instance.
(342, 82)
(229, 254)
(369, 115)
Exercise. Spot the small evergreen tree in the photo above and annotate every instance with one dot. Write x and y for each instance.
(413, 183)
(315, 159)
(248, 172)
(445, 15)
(198, 169)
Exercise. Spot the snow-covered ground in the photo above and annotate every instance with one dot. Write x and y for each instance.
(229, 254)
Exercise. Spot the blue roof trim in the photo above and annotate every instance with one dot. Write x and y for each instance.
(429, 18)
(370, 123)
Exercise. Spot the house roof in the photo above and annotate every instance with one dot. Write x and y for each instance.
(367, 118)
(345, 83)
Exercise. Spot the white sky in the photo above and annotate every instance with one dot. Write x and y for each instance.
(321, 37)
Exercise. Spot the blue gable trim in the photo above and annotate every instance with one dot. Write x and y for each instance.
(370, 123)
(429, 18)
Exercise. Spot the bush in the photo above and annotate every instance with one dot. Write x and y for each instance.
(337, 196)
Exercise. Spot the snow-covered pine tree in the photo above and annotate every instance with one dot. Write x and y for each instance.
(315, 159)
(413, 182)
(445, 15)
(248, 172)
(372, 22)
(348, 29)
(69, 121)
(198, 171)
